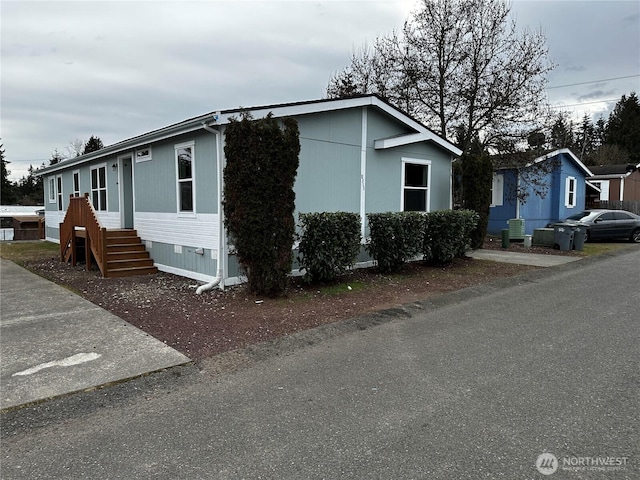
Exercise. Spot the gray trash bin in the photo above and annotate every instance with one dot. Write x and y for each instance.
(579, 236)
(563, 236)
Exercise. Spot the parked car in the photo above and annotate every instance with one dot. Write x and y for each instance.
(607, 224)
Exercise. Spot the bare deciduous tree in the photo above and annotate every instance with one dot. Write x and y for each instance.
(461, 67)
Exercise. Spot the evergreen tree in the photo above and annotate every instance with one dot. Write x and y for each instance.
(585, 138)
(93, 144)
(31, 188)
(8, 187)
(477, 178)
(562, 132)
(623, 127)
(259, 201)
(56, 157)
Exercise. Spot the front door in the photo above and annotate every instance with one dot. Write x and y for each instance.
(125, 181)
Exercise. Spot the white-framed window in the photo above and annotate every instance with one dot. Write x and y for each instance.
(59, 191)
(416, 181)
(570, 192)
(185, 174)
(99, 188)
(604, 190)
(76, 183)
(497, 190)
(52, 189)
(143, 154)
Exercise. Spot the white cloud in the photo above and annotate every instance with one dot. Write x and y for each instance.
(117, 69)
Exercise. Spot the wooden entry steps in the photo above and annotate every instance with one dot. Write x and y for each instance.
(126, 255)
(118, 252)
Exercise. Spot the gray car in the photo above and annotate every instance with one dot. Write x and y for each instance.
(608, 224)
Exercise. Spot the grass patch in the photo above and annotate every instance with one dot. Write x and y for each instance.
(343, 287)
(602, 248)
(22, 251)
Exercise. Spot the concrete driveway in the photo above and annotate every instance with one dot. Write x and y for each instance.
(53, 342)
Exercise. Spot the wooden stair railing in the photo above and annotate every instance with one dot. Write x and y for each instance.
(80, 213)
(118, 252)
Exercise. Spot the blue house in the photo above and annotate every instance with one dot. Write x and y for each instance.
(154, 201)
(564, 181)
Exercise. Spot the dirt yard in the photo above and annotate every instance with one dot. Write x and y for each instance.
(167, 307)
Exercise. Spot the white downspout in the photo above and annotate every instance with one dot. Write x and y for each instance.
(220, 273)
(363, 174)
(517, 194)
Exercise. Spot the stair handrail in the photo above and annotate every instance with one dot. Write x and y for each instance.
(80, 213)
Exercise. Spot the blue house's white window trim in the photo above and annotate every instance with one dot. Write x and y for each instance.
(99, 188)
(570, 192)
(497, 190)
(143, 154)
(416, 186)
(185, 178)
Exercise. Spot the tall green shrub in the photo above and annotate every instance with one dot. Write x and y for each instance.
(477, 177)
(329, 244)
(447, 234)
(259, 201)
(395, 238)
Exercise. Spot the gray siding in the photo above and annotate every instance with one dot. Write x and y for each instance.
(155, 180)
(164, 255)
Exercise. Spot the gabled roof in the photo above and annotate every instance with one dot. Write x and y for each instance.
(223, 117)
(614, 171)
(511, 161)
(571, 155)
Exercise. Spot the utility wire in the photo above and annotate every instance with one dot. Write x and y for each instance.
(584, 103)
(593, 81)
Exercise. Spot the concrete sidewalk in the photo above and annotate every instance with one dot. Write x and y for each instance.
(53, 342)
(534, 259)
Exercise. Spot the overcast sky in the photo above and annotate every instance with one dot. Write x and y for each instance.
(117, 69)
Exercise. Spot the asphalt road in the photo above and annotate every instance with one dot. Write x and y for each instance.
(475, 389)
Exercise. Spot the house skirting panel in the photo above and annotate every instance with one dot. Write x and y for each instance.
(188, 261)
(200, 230)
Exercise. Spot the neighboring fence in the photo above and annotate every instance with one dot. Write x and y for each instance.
(22, 228)
(628, 205)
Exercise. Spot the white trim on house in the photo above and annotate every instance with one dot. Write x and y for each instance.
(192, 179)
(497, 190)
(363, 173)
(143, 154)
(427, 188)
(97, 206)
(75, 175)
(201, 277)
(198, 231)
(59, 193)
(570, 192)
(220, 118)
(52, 188)
(566, 151)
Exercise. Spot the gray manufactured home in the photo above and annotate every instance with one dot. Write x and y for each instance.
(357, 155)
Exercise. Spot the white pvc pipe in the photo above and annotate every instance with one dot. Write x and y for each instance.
(208, 286)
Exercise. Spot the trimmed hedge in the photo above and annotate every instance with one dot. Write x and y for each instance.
(447, 234)
(329, 244)
(395, 238)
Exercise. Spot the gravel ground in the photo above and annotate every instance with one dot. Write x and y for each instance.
(200, 326)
